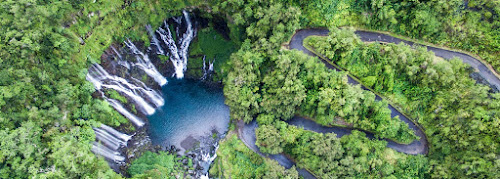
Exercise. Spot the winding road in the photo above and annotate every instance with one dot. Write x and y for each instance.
(246, 132)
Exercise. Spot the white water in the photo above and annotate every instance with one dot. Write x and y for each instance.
(102, 79)
(145, 64)
(122, 136)
(117, 53)
(186, 40)
(178, 55)
(117, 105)
(153, 96)
(155, 40)
(108, 140)
(208, 160)
(112, 140)
(210, 68)
(107, 153)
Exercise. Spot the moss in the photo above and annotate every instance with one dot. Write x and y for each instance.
(211, 44)
(115, 95)
(163, 58)
(195, 67)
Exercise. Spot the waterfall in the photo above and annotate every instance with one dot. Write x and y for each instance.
(102, 79)
(177, 20)
(145, 64)
(122, 136)
(120, 59)
(111, 137)
(178, 55)
(116, 52)
(108, 140)
(186, 40)
(155, 40)
(211, 66)
(206, 72)
(107, 153)
(112, 140)
(134, 119)
(204, 69)
(208, 160)
(153, 96)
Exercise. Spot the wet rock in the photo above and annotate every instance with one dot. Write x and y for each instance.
(198, 167)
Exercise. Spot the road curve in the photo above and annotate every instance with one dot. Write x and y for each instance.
(414, 148)
(246, 132)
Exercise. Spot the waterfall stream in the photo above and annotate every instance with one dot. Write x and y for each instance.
(145, 64)
(102, 79)
(112, 140)
(107, 153)
(178, 55)
(207, 72)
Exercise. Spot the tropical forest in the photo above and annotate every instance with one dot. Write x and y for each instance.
(249, 89)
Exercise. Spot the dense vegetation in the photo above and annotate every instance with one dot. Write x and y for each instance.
(352, 155)
(235, 160)
(47, 108)
(151, 165)
(214, 47)
(439, 93)
(473, 25)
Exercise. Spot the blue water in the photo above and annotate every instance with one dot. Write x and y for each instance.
(191, 109)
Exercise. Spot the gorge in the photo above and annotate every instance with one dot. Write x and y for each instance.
(184, 113)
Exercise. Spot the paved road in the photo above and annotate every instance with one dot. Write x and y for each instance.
(247, 131)
(416, 147)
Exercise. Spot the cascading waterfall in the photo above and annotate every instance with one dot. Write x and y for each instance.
(145, 64)
(155, 40)
(211, 66)
(178, 55)
(119, 107)
(122, 136)
(145, 98)
(107, 153)
(108, 140)
(102, 79)
(112, 140)
(208, 159)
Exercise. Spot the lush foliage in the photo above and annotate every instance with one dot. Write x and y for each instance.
(46, 106)
(472, 25)
(214, 47)
(152, 165)
(279, 82)
(47, 109)
(235, 160)
(352, 155)
(460, 117)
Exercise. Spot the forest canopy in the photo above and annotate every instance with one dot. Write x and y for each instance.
(48, 109)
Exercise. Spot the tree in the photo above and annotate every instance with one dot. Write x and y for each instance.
(269, 139)
(282, 91)
(242, 85)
